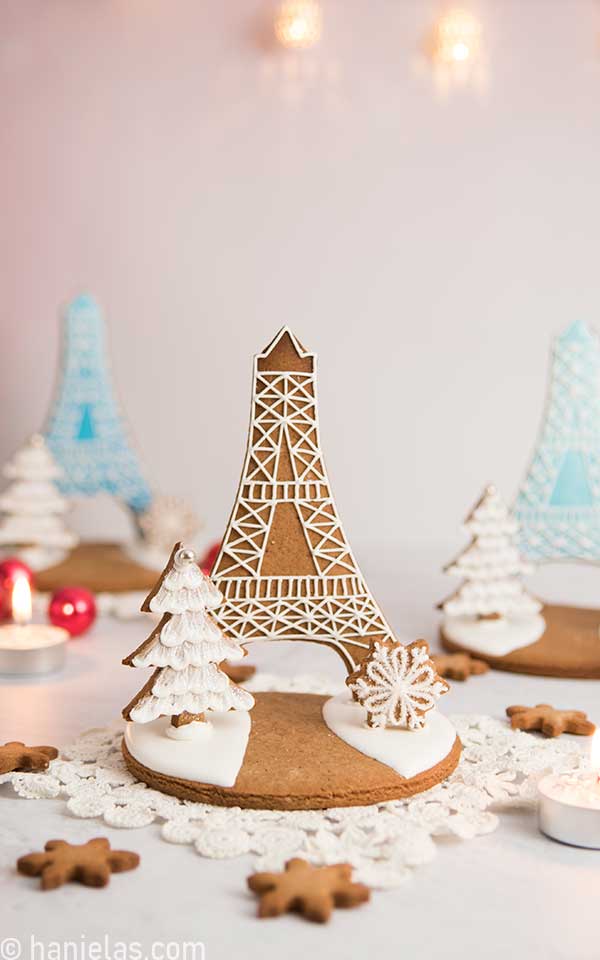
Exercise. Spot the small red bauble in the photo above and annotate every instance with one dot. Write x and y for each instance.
(207, 562)
(10, 570)
(73, 608)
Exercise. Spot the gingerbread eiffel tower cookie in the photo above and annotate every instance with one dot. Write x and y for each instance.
(285, 568)
(285, 572)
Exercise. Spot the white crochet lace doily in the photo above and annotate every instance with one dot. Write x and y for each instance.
(499, 768)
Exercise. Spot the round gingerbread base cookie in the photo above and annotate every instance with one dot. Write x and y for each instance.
(569, 647)
(294, 762)
(100, 567)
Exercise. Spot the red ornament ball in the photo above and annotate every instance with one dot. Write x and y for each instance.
(10, 570)
(207, 561)
(73, 608)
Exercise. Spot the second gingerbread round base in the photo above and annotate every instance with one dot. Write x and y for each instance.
(294, 762)
(100, 567)
(569, 647)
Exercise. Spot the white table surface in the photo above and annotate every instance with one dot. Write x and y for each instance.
(511, 893)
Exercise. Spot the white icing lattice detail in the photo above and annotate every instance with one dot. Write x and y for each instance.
(398, 685)
(85, 430)
(284, 468)
(558, 505)
(498, 770)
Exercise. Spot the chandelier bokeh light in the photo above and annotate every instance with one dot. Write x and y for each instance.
(456, 37)
(298, 23)
(455, 48)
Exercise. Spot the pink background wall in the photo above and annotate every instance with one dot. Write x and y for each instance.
(161, 156)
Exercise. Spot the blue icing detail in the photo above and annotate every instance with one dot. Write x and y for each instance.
(141, 502)
(572, 488)
(577, 332)
(86, 432)
(558, 505)
(86, 427)
(83, 302)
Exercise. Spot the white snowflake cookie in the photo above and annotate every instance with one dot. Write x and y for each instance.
(397, 684)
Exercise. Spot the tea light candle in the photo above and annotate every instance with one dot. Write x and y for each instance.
(29, 648)
(569, 804)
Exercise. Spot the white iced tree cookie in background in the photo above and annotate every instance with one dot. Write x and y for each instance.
(185, 649)
(491, 611)
(32, 524)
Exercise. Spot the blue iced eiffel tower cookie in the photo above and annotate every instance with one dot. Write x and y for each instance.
(558, 505)
(86, 431)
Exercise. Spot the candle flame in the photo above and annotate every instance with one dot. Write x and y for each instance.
(21, 601)
(595, 752)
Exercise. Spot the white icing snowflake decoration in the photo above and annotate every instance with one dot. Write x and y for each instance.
(397, 684)
(167, 520)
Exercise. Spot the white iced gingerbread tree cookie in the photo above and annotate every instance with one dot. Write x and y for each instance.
(32, 524)
(491, 610)
(185, 649)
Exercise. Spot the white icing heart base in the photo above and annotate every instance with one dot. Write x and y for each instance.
(214, 758)
(494, 637)
(408, 752)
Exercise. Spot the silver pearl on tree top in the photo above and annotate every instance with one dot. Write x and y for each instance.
(184, 555)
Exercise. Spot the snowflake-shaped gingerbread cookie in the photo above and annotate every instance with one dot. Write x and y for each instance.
(397, 684)
(166, 520)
